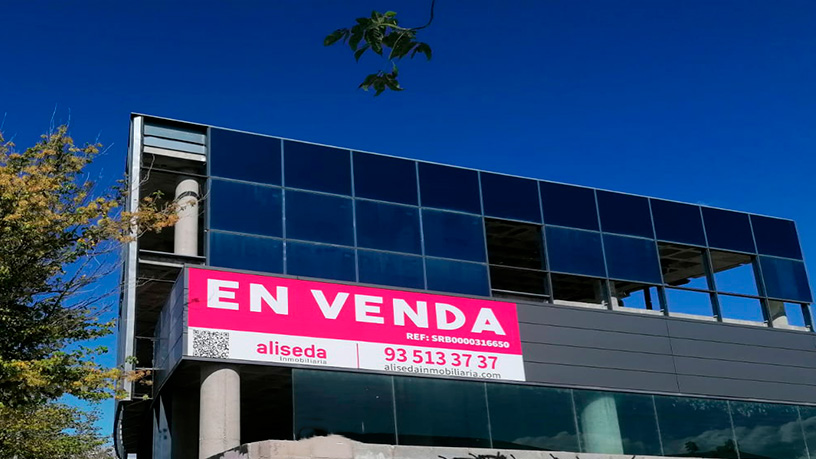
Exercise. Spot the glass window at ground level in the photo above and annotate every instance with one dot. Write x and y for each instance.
(242, 156)
(785, 279)
(767, 431)
(245, 208)
(453, 235)
(321, 261)
(625, 214)
(246, 252)
(510, 197)
(384, 178)
(319, 218)
(566, 205)
(775, 236)
(678, 222)
(695, 427)
(457, 277)
(390, 269)
(575, 252)
(449, 188)
(439, 412)
(617, 423)
(356, 406)
(631, 258)
(318, 168)
(527, 417)
(807, 414)
(388, 227)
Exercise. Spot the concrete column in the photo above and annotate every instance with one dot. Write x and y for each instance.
(779, 317)
(600, 430)
(219, 424)
(186, 229)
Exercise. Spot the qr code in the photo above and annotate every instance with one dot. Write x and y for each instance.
(213, 344)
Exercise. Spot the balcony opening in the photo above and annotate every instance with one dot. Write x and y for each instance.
(516, 257)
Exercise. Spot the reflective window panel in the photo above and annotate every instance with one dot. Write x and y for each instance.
(709, 435)
(384, 178)
(785, 279)
(515, 244)
(523, 283)
(808, 418)
(439, 412)
(682, 266)
(741, 308)
(245, 208)
(388, 227)
(453, 235)
(319, 217)
(576, 289)
(629, 258)
(574, 251)
(734, 272)
(457, 277)
(625, 214)
(566, 205)
(528, 417)
(728, 230)
(767, 431)
(449, 188)
(356, 406)
(390, 269)
(243, 156)
(318, 168)
(617, 423)
(689, 302)
(510, 197)
(321, 261)
(775, 236)
(246, 252)
(678, 222)
(635, 296)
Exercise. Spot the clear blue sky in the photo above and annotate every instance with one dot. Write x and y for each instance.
(710, 101)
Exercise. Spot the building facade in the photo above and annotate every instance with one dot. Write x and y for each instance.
(606, 322)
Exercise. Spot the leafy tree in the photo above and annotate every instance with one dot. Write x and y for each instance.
(57, 231)
(382, 34)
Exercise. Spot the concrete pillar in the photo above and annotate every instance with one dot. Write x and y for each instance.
(779, 317)
(600, 430)
(186, 229)
(219, 418)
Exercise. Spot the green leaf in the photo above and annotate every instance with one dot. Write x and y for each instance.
(356, 36)
(390, 14)
(333, 37)
(360, 52)
(423, 48)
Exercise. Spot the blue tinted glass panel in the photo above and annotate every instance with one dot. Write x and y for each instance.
(356, 406)
(728, 230)
(456, 277)
(632, 258)
(315, 167)
(785, 279)
(385, 179)
(245, 208)
(250, 157)
(528, 417)
(637, 423)
(246, 252)
(439, 412)
(510, 197)
(689, 302)
(678, 222)
(625, 214)
(318, 217)
(566, 205)
(575, 252)
(449, 188)
(323, 261)
(768, 431)
(388, 227)
(709, 435)
(390, 269)
(740, 308)
(451, 235)
(776, 237)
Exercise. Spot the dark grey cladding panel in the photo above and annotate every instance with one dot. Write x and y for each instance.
(742, 353)
(736, 388)
(598, 358)
(550, 334)
(727, 333)
(745, 371)
(590, 318)
(593, 377)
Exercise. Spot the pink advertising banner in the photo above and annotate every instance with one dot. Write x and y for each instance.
(261, 318)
